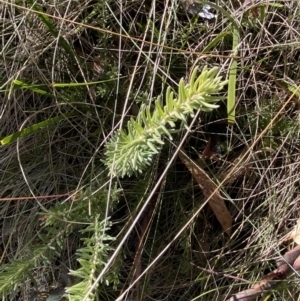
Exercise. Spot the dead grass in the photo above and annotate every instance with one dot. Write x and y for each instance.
(62, 159)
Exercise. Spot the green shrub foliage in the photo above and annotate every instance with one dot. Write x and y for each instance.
(132, 150)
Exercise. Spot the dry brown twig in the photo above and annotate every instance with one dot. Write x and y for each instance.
(286, 265)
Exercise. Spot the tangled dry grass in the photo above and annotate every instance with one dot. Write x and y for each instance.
(136, 49)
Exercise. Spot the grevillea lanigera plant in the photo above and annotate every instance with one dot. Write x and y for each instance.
(132, 150)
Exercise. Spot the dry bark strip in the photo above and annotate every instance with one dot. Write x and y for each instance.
(209, 189)
(286, 265)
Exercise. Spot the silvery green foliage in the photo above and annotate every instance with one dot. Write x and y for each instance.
(92, 258)
(132, 150)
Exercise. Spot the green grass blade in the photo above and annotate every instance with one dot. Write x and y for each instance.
(33, 128)
(291, 87)
(67, 85)
(231, 99)
(52, 29)
(34, 88)
(155, 30)
(215, 41)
